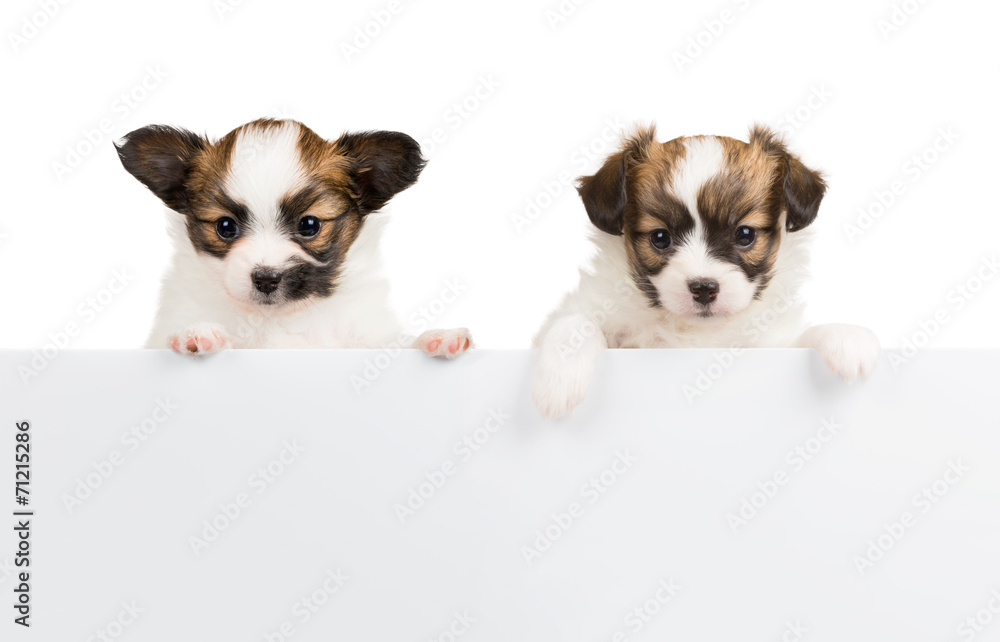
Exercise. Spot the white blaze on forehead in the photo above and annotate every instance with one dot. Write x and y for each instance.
(703, 159)
(264, 167)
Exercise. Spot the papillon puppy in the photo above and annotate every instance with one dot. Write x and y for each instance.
(276, 237)
(701, 244)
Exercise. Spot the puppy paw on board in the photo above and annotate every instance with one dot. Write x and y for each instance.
(445, 343)
(276, 234)
(701, 243)
(565, 363)
(850, 351)
(199, 340)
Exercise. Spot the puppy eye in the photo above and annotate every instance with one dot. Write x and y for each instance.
(309, 226)
(227, 228)
(745, 236)
(660, 239)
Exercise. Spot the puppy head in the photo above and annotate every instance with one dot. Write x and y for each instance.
(702, 217)
(271, 208)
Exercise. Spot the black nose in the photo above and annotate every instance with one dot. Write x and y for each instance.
(704, 291)
(266, 280)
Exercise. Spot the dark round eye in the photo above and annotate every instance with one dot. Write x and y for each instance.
(660, 239)
(309, 226)
(227, 227)
(745, 235)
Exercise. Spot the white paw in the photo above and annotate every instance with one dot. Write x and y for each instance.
(557, 391)
(850, 351)
(199, 339)
(445, 343)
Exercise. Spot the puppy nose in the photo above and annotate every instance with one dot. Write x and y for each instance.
(266, 279)
(704, 290)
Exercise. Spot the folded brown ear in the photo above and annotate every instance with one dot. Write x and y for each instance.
(605, 194)
(383, 164)
(159, 157)
(803, 187)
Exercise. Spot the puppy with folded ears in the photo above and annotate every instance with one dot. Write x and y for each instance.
(701, 244)
(276, 237)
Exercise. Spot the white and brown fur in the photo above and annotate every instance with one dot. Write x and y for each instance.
(706, 289)
(294, 262)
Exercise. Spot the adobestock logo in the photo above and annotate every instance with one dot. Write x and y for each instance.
(230, 511)
(87, 311)
(458, 113)
(434, 480)
(366, 33)
(591, 492)
(977, 623)
(560, 14)
(639, 617)
(795, 459)
(99, 134)
(899, 16)
(711, 30)
(103, 469)
(923, 501)
(913, 171)
(309, 605)
(33, 24)
(584, 156)
(955, 300)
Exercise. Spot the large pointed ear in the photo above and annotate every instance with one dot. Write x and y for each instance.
(383, 164)
(803, 188)
(605, 194)
(159, 156)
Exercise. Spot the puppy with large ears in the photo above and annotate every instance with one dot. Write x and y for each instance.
(277, 237)
(701, 244)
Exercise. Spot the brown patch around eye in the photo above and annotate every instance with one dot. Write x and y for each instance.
(339, 223)
(205, 238)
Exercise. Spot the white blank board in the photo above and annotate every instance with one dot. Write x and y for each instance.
(617, 524)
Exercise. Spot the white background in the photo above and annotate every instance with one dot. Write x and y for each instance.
(61, 237)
